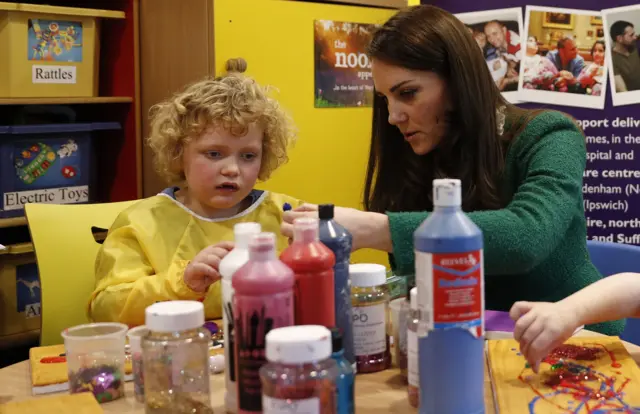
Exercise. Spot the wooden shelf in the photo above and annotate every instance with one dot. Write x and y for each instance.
(13, 222)
(66, 101)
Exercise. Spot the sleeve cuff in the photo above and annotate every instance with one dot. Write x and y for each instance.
(178, 286)
(402, 226)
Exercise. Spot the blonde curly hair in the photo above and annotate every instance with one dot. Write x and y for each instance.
(233, 102)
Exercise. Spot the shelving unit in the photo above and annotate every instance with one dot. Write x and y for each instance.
(66, 101)
(118, 160)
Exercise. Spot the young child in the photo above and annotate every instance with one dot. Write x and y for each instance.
(211, 142)
(541, 326)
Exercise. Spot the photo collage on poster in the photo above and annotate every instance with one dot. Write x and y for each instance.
(561, 56)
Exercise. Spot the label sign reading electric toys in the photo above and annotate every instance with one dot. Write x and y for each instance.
(454, 286)
(342, 67)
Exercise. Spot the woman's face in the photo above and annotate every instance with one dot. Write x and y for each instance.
(598, 54)
(532, 45)
(417, 102)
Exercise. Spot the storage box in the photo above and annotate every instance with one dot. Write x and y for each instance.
(49, 51)
(19, 295)
(46, 164)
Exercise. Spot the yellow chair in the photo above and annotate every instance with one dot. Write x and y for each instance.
(65, 252)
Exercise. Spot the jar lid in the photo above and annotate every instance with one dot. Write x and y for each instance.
(367, 274)
(298, 344)
(174, 316)
(414, 298)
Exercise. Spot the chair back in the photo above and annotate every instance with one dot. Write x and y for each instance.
(66, 250)
(610, 259)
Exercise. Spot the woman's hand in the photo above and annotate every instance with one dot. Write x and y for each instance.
(540, 327)
(369, 230)
(203, 270)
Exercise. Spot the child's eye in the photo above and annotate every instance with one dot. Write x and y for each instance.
(213, 154)
(248, 156)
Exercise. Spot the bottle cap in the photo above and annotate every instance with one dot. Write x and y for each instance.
(298, 344)
(336, 340)
(305, 229)
(243, 232)
(367, 274)
(262, 245)
(325, 211)
(174, 316)
(414, 299)
(447, 192)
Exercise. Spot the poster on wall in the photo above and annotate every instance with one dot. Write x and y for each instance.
(498, 33)
(342, 68)
(556, 70)
(583, 60)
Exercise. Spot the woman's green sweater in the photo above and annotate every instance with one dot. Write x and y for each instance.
(535, 247)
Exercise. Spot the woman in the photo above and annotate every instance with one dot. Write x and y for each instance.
(437, 113)
(592, 75)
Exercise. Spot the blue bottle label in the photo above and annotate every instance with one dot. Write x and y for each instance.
(451, 290)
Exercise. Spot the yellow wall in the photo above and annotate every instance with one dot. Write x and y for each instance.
(275, 37)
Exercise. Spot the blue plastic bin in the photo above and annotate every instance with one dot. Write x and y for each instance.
(50, 163)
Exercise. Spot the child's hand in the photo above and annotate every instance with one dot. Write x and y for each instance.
(540, 327)
(202, 271)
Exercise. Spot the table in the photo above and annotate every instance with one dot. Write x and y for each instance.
(384, 392)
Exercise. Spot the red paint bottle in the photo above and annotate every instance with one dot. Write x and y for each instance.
(312, 262)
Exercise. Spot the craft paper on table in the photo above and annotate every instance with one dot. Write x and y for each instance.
(497, 321)
(585, 375)
(83, 403)
(342, 67)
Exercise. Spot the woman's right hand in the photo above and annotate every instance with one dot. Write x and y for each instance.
(369, 230)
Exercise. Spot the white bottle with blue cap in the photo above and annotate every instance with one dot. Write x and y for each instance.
(450, 285)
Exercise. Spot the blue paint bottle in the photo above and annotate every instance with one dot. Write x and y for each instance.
(339, 240)
(346, 378)
(450, 283)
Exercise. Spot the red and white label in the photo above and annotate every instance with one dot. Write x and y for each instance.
(451, 290)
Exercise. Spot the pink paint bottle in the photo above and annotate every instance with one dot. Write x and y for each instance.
(263, 300)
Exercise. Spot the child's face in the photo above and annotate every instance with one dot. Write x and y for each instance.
(221, 169)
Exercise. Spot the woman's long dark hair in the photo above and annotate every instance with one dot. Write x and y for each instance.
(431, 39)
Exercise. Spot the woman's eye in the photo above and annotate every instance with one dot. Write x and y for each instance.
(213, 154)
(408, 93)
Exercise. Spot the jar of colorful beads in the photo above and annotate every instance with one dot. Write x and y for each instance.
(175, 359)
(95, 359)
(135, 351)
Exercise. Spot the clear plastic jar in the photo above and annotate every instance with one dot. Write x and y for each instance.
(176, 359)
(300, 376)
(95, 359)
(412, 350)
(369, 301)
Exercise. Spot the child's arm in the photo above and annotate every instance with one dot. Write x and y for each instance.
(127, 282)
(542, 326)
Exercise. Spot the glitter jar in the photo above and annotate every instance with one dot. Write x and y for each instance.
(175, 357)
(135, 350)
(95, 359)
(300, 375)
(369, 301)
(413, 320)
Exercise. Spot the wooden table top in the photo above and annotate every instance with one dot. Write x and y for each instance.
(382, 392)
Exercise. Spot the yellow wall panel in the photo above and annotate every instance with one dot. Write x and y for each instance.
(275, 37)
